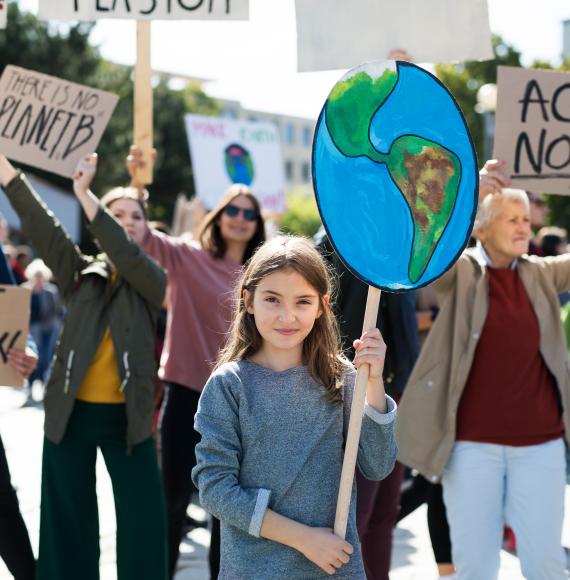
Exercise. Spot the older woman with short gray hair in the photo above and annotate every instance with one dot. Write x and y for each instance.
(488, 403)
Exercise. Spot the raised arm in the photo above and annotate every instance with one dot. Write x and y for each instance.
(163, 248)
(141, 272)
(491, 178)
(559, 268)
(49, 238)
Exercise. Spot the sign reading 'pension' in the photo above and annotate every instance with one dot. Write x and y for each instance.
(48, 122)
(532, 133)
(144, 9)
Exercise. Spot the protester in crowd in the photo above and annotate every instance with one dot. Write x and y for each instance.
(538, 216)
(484, 407)
(552, 240)
(378, 502)
(100, 392)
(273, 418)
(417, 492)
(23, 256)
(46, 314)
(416, 489)
(15, 547)
(201, 277)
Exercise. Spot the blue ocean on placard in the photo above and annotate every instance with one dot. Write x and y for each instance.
(365, 214)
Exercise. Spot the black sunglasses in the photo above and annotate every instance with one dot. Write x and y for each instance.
(249, 214)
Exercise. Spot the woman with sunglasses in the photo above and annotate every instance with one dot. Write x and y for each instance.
(201, 277)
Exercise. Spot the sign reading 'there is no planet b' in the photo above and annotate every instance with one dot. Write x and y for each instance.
(532, 133)
(48, 122)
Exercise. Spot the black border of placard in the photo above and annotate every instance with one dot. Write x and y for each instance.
(320, 120)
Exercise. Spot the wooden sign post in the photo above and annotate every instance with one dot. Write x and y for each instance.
(143, 120)
(355, 424)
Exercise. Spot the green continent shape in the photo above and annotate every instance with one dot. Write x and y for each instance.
(428, 176)
(426, 173)
(350, 108)
(250, 168)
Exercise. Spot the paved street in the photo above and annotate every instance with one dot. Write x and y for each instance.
(21, 430)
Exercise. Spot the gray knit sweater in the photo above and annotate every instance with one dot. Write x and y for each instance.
(271, 440)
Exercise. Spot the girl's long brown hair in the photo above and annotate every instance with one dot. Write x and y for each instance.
(210, 236)
(322, 352)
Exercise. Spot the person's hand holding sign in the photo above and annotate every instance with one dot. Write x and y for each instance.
(82, 179)
(491, 180)
(7, 171)
(371, 350)
(135, 162)
(23, 361)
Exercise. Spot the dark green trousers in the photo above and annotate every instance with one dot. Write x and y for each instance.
(69, 527)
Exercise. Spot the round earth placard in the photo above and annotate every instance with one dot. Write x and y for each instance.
(395, 175)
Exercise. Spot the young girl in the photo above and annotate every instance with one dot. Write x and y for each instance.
(273, 418)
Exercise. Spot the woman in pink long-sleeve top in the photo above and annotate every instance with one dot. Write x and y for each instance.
(201, 277)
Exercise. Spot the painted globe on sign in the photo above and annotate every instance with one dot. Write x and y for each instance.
(239, 164)
(395, 175)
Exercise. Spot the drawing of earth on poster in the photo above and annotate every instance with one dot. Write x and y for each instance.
(239, 164)
(395, 175)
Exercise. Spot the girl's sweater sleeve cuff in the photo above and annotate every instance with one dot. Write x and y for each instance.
(261, 506)
(382, 418)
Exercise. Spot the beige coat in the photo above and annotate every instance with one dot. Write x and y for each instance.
(428, 409)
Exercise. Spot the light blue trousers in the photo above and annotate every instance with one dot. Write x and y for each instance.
(486, 486)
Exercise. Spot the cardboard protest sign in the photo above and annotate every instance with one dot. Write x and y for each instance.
(532, 128)
(3, 14)
(226, 151)
(335, 34)
(395, 175)
(49, 122)
(14, 322)
(144, 9)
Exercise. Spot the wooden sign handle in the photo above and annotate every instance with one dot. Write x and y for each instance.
(143, 103)
(355, 423)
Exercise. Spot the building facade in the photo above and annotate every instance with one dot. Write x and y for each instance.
(296, 141)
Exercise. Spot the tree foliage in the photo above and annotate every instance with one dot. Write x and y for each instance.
(302, 216)
(65, 52)
(465, 79)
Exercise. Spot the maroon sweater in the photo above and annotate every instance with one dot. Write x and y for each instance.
(510, 397)
(201, 298)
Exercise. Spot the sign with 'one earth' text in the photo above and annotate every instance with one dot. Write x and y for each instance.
(532, 132)
(144, 9)
(14, 319)
(49, 122)
(228, 151)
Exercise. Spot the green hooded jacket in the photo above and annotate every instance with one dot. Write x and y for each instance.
(129, 307)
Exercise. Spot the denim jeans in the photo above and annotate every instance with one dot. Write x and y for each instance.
(487, 485)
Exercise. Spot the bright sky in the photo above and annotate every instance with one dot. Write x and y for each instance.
(255, 62)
